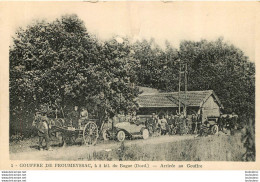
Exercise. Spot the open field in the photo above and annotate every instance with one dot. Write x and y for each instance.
(165, 148)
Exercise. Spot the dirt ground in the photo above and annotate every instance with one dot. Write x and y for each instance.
(27, 149)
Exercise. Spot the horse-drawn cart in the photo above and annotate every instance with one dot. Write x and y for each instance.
(88, 132)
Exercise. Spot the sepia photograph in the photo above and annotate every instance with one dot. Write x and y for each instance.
(132, 81)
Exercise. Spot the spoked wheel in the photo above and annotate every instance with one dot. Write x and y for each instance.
(120, 136)
(59, 122)
(145, 134)
(90, 133)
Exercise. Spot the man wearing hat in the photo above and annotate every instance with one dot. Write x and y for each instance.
(151, 124)
(194, 123)
(41, 122)
(182, 123)
(74, 117)
(83, 116)
(163, 125)
(233, 122)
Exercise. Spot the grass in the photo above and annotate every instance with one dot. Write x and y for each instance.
(212, 148)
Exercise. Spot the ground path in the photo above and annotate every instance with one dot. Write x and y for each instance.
(25, 151)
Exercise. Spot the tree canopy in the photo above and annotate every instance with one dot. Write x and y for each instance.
(60, 64)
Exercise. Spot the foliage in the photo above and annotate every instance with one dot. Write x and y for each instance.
(220, 66)
(249, 141)
(59, 64)
(158, 67)
(212, 65)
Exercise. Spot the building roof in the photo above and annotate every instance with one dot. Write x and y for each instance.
(147, 90)
(171, 99)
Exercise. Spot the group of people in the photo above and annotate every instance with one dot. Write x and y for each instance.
(43, 124)
(228, 122)
(173, 124)
(179, 124)
(77, 117)
(165, 124)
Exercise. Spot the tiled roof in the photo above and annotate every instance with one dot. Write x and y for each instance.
(147, 90)
(155, 100)
(170, 99)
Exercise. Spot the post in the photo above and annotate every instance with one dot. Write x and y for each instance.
(185, 92)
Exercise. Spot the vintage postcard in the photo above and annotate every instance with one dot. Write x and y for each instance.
(129, 85)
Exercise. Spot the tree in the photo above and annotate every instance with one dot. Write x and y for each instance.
(212, 65)
(59, 64)
(222, 67)
(157, 66)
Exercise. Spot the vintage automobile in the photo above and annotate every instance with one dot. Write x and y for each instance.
(123, 130)
(212, 125)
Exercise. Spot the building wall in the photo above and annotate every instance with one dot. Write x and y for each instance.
(210, 108)
(158, 111)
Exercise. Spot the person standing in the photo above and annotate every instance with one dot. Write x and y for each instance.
(148, 124)
(178, 123)
(227, 123)
(233, 122)
(74, 117)
(41, 122)
(221, 123)
(199, 125)
(163, 123)
(204, 130)
(153, 121)
(182, 121)
(194, 123)
(170, 124)
(137, 121)
(128, 118)
(83, 116)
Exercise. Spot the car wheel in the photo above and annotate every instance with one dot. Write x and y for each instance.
(214, 129)
(120, 136)
(145, 134)
(105, 135)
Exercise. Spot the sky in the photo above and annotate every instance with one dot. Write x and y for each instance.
(172, 21)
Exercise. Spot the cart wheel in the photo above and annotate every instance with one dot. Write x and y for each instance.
(90, 133)
(120, 136)
(214, 129)
(145, 134)
(59, 122)
(105, 135)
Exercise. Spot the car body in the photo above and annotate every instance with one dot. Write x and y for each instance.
(123, 130)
